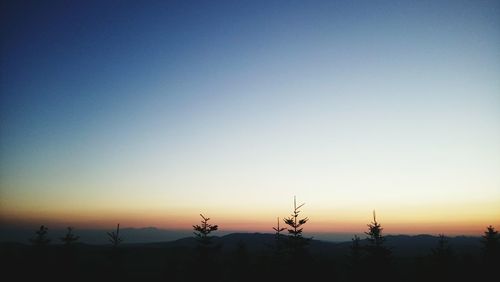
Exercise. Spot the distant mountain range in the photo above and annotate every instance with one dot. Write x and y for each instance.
(131, 235)
(97, 236)
(401, 245)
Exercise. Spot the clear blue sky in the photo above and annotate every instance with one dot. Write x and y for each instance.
(154, 107)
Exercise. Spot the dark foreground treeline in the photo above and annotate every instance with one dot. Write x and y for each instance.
(263, 257)
(237, 261)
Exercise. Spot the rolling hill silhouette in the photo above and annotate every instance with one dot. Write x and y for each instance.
(175, 260)
(402, 245)
(151, 237)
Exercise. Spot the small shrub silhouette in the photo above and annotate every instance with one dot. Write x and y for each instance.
(114, 238)
(69, 238)
(41, 237)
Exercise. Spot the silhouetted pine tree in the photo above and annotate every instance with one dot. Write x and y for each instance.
(114, 238)
(203, 231)
(278, 236)
(296, 242)
(375, 233)
(69, 238)
(276, 262)
(491, 246)
(378, 254)
(41, 237)
(298, 263)
(205, 266)
(115, 255)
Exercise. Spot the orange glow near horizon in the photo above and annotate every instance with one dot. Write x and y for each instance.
(454, 220)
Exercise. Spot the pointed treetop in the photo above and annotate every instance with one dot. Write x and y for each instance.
(278, 229)
(204, 218)
(295, 204)
(202, 231)
(114, 238)
(293, 220)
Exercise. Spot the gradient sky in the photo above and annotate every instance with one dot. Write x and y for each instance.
(150, 112)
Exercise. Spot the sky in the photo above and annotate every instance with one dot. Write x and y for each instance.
(148, 113)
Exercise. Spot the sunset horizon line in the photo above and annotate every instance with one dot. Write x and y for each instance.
(457, 229)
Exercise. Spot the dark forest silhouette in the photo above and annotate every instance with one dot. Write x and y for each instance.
(287, 257)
